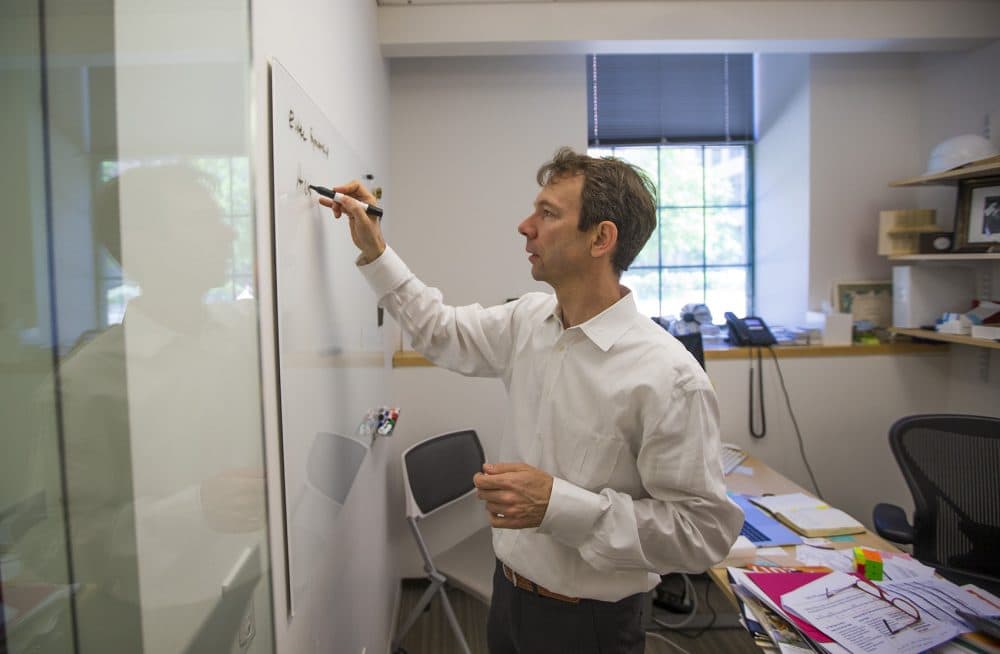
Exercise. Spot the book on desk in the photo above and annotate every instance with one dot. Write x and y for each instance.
(808, 516)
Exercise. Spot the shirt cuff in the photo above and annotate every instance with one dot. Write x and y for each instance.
(386, 273)
(572, 512)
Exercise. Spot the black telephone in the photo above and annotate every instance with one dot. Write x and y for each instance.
(748, 331)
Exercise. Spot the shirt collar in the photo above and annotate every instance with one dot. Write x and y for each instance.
(607, 327)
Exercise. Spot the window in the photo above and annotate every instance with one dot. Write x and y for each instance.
(687, 120)
(701, 250)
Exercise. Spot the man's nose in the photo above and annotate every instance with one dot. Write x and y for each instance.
(525, 229)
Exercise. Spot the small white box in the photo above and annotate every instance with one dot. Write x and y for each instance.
(838, 329)
(920, 294)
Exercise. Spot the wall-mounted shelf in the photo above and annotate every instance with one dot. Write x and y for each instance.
(982, 168)
(952, 257)
(931, 335)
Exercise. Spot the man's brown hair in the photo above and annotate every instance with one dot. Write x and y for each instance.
(613, 190)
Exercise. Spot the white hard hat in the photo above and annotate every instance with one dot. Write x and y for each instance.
(958, 151)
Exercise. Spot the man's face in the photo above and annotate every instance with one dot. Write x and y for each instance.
(558, 249)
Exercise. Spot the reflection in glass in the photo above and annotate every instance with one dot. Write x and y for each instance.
(129, 380)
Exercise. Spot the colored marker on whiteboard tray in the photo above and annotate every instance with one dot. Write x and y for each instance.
(370, 209)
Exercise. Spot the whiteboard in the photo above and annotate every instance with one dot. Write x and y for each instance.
(329, 343)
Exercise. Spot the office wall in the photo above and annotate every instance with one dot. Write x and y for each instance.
(467, 138)
(865, 131)
(959, 96)
(843, 406)
(331, 48)
(781, 188)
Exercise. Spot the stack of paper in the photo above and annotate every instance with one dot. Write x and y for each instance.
(808, 515)
(794, 612)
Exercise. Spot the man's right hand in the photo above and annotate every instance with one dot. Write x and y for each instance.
(365, 230)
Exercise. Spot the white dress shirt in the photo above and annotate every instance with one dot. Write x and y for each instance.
(615, 409)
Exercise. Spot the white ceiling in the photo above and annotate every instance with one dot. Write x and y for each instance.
(412, 28)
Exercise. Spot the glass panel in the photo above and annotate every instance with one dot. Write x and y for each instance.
(151, 432)
(725, 236)
(725, 175)
(35, 583)
(645, 286)
(185, 224)
(682, 235)
(726, 290)
(681, 176)
(681, 286)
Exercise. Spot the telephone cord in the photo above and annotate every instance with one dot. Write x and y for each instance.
(795, 423)
(760, 387)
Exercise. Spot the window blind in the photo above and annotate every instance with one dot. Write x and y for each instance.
(669, 98)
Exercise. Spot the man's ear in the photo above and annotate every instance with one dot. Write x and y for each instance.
(605, 238)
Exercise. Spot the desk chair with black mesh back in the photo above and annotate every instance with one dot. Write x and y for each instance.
(437, 472)
(951, 464)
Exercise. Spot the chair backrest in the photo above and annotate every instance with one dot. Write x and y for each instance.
(693, 341)
(438, 471)
(694, 344)
(952, 465)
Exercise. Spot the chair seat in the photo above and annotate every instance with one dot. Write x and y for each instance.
(469, 565)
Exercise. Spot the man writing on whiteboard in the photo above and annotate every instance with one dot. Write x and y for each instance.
(609, 470)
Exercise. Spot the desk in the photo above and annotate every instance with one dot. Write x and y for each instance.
(768, 480)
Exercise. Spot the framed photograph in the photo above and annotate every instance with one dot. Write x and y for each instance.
(977, 215)
(871, 301)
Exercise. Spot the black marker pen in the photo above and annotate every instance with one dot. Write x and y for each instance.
(370, 209)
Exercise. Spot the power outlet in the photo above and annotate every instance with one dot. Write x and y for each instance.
(248, 627)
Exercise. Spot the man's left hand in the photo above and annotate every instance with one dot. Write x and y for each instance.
(516, 494)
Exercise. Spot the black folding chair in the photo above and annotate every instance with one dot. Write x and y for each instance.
(437, 472)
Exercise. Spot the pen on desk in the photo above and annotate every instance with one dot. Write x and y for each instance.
(370, 209)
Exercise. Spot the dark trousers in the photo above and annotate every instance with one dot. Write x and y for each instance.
(523, 622)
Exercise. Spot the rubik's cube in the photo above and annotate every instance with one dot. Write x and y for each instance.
(868, 562)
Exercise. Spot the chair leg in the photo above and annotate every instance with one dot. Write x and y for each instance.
(446, 604)
(425, 599)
